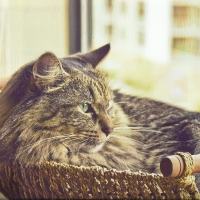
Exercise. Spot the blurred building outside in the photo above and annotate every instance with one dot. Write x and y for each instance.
(160, 31)
(155, 44)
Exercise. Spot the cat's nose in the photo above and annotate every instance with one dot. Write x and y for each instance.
(107, 130)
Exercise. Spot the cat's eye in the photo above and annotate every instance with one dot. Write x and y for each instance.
(85, 107)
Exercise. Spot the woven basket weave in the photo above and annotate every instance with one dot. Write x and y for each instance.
(61, 181)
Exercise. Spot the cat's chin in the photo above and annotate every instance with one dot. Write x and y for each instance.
(98, 144)
(96, 147)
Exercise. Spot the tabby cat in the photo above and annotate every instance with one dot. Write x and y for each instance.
(64, 110)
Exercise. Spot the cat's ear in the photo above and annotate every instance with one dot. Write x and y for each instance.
(46, 70)
(94, 57)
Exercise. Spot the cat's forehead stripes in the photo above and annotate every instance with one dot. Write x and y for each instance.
(85, 76)
(101, 92)
(97, 88)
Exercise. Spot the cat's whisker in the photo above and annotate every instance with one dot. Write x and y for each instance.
(53, 148)
(141, 130)
(60, 143)
(64, 139)
(137, 128)
(121, 102)
(121, 124)
(74, 140)
(84, 142)
(126, 139)
(143, 144)
(33, 145)
(125, 125)
(50, 138)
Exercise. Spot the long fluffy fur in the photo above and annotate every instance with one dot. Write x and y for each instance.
(40, 119)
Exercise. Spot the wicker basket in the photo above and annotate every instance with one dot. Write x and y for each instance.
(61, 181)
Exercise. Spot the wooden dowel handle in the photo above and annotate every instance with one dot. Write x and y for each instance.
(173, 166)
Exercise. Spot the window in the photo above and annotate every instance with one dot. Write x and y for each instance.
(109, 5)
(141, 10)
(186, 16)
(187, 45)
(180, 15)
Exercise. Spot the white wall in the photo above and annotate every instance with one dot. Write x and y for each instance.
(29, 28)
(158, 31)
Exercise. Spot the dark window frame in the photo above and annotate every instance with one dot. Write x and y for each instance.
(75, 30)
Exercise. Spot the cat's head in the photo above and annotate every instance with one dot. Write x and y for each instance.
(78, 91)
(66, 102)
